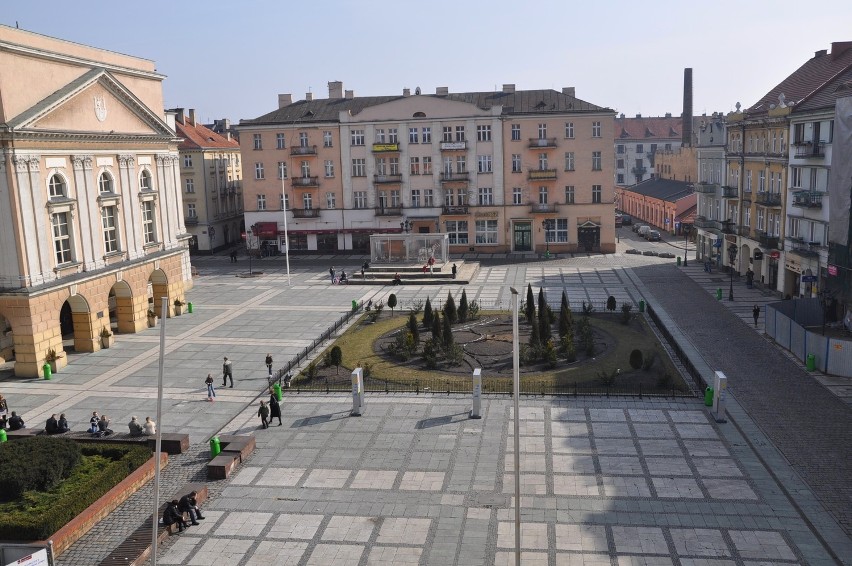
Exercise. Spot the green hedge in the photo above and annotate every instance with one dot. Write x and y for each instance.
(36, 516)
(36, 463)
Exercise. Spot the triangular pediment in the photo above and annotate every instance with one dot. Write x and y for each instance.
(95, 103)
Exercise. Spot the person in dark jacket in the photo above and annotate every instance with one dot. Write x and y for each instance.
(263, 413)
(63, 423)
(103, 426)
(16, 422)
(171, 516)
(274, 408)
(135, 427)
(269, 363)
(52, 425)
(188, 504)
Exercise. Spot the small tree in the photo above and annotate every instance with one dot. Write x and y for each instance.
(566, 321)
(564, 304)
(569, 351)
(529, 307)
(392, 302)
(610, 304)
(430, 354)
(636, 359)
(542, 303)
(625, 312)
(447, 333)
(427, 314)
(436, 328)
(450, 311)
(587, 339)
(550, 354)
(544, 330)
(535, 339)
(336, 358)
(412, 327)
(463, 307)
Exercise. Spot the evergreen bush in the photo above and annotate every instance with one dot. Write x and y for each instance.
(450, 311)
(636, 359)
(36, 463)
(427, 314)
(464, 309)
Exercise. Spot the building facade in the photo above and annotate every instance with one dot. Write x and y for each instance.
(497, 171)
(714, 215)
(91, 230)
(663, 204)
(636, 143)
(211, 180)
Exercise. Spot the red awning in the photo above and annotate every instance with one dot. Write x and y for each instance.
(266, 229)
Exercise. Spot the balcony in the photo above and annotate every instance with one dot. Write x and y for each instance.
(542, 208)
(639, 170)
(305, 181)
(701, 222)
(810, 150)
(766, 240)
(385, 148)
(387, 179)
(744, 231)
(747, 196)
(802, 247)
(455, 209)
(191, 221)
(305, 212)
(303, 150)
(706, 188)
(454, 146)
(730, 192)
(807, 199)
(769, 199)
(388, 211)
(449, 177)
(541, 174)
(728, 227)
(542, 142)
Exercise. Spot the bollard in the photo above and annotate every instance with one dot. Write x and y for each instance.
(354, 305)
(189, 308)
(708, 396)
(47, 371)
(2, 435)
(810, 362)
(719, 294)
(641, 305)
(678, 261)
(276, 389)
(215, 447)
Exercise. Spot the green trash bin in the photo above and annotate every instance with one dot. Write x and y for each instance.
(47, 371)
(678, 261)
(215, 447)
(708, 396)
(189, 308)
(2, 435)
(719, 294)
(354, 305)
(276, 390)
(641, 305)
(811, 362)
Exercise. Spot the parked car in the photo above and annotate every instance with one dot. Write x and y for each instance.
(636, 228)
(626, 219)
(644, 229)
(653, 236)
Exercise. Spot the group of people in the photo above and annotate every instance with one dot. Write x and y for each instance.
(397, 280)
(269, 411)
(11, 422)
(341, 279)
(148, 428)
(175, 510)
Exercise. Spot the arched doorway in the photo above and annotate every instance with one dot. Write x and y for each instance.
(75, 323)
(121, 309)
(158, 287)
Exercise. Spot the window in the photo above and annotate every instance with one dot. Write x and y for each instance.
(261, 202)
(360, 199)
(428, 197)
(56, 187)
(329, 168)
(797, 177)
(396, 200)
(619, 149)
(516, 132)
(517, 195)
(569, 160)
(542, 161)
(516, 163)
(279, 141)
(542, 131)
(620, 179)
(359, 167)
(456, 231)
(393, 135)
(640, 148)
(145, 181)
(303, 139)
(748, 181)
(61, 238)
(330, 201)
(561, 231)
(394, 165)
(596, 193)
(619, 164)
(596, 161)
(415, 198)
(258, 171)
(357, 137)
(308, 201)
(189, 184)
(105, 183)
(569, 130)
(483, 133)
(190, 211)
(449, 197)
(760, 218)
(306, 169)
(486, 231)
(284, 201)
(596, 129)
(654, 147)
(483, 163)
(149, 229)
(412, 135)
(187, 160)
(447, 134)
(460, 133)
(258, 142)
(383, 199)
(486, 196)
(569, 194)
(448, 165)
(380, 135)
(282, 169)
(427, 165)
(415, 165)
(761, 181)
(427, 135)
(381, 166)
(326, 139)
(110, 232)
(542, 195)
(461, 164)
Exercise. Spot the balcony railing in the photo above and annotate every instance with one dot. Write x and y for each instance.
(455, 209)
(540, 207)
(767, 240)
(542, 142)
(385, 148)
(305, 181)
(706, 188)
(730, 192)
(396, 178)
(802, 247)
(810, 150)
(744, 231)
(769, 199)
(701, 222)
(639, 170)
(191, 221)
(303, 150)
(454, 146)
(388, 211)
(807, 199)
(541, 174)
(449, 177)
(305, 212)
(728, 227)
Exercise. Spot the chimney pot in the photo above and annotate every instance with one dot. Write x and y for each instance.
(668, 114)
(192, 116)
(638, 115)
(350, 94)
(569, 90)
(335, 89)
(285, 100)
(442, 91)
(309, 96)
(509, 87)
(406, 92)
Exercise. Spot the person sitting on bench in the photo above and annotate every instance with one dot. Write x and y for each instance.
(188, 504)
(172, 516)
(16, 422)
(103, 426)
(135, 427)
(63, 423)
(52, 425)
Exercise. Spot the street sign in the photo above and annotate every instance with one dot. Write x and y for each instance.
(717, 243)
(809, 278)
(667, 221)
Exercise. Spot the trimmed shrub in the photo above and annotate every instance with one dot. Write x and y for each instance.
(413, 327)
(625, 313)
(392, 302)
(450, 311)
(463, 307)
(636, 359)
(447, 333)
(37, 463)
(529, 306)
(336, 357)
(427, 314)
(587, 338)
(610, 303)
(437, 327)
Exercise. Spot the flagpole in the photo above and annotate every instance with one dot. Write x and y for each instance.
(158, 445)
(286, 237)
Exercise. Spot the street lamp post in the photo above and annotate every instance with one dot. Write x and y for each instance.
(251, 233)
(686, 232)
(732, 256)
(547, 224)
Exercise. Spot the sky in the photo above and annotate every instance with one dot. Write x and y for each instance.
(231, 59)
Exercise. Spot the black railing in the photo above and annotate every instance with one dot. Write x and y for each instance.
(697, 378)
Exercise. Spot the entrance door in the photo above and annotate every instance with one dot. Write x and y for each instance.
(589, 239)
(523, 237)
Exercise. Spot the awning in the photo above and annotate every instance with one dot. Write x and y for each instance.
(266, 229)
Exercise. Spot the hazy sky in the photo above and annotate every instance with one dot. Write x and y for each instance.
(230, 59)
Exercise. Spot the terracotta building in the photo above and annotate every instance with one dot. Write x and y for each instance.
(91, 230)
(661, 203)
(497, 171)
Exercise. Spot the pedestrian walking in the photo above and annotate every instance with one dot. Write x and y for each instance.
(431, 264)
(755, 312)
(274, 408)
(263, 413)
(227, 373)
(364, 268)
(211, 392)
(455, 270)
(331, 273)
(269, 363)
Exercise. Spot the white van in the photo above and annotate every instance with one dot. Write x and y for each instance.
(643, 230)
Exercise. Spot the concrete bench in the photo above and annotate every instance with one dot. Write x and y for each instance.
(220, 467)
(25, 433)
(170, 442)
(245, 445)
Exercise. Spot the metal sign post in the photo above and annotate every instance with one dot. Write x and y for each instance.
(357, 392)
(475, 413)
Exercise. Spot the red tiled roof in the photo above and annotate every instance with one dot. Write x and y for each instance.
(648, 128)
(201, 137)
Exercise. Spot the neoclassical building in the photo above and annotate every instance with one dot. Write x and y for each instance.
(91, 230)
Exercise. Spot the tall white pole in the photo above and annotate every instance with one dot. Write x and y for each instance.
(286, 237)
(516, 375)
(164, 314)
